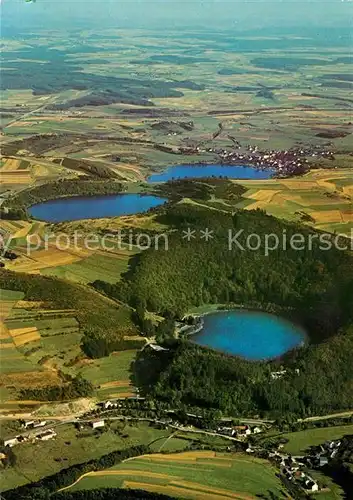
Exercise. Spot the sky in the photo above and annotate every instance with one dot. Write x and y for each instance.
(166, 14)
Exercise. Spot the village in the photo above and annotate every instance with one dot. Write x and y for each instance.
(294, 471)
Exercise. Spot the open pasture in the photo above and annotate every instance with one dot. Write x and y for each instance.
(112, 375)
(71, 447)
(300, 441)
(107, 266)
(192, 474)
(34, 343)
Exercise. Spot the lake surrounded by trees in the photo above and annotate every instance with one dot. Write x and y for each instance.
(217, 170)
(252, 335)
(93, 207)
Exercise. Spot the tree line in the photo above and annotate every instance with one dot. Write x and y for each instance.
(43, 488)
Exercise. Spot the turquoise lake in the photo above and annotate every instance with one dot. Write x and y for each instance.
(93, 207)
(249, 334)
(199, 171)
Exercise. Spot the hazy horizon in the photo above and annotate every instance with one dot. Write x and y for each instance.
(19, 15)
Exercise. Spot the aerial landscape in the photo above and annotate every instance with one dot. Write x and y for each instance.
(176, 250)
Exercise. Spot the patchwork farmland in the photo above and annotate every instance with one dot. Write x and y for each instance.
(192, 475)
(325, 196)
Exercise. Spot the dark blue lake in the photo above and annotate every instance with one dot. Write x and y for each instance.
(198, 171)
(250, 334)
(93, 207)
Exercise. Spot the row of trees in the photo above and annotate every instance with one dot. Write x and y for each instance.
(78, 387)
(63, 188)
(110, 494)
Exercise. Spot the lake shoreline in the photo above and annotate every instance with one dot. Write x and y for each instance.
(188, 331)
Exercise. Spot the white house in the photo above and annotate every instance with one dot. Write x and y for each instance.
(49, 434)
(97, 424)
(10, 442)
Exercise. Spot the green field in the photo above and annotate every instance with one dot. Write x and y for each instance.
(111, 375)
(191, 475)
(106, 267)
(299, 442)
(72, 446)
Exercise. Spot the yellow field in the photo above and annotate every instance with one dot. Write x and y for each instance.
(13, 229)
(23, 336)
(116, 383)
(26, 304)
(183, 492)
(21, 331)
(16, 177)
(122, 395)
(30, 379)
(325, 195)
(52, 257)
(26, 338)
(11, 164)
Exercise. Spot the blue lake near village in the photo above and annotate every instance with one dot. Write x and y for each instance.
(252, 335)
(199, 171)
(93, 207)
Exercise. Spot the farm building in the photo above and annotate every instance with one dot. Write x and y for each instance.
(11, 442)
(97, 424)
(49, 434)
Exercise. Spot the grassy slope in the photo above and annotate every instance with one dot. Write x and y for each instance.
(302, 440)
(233, 473)
(71, 447)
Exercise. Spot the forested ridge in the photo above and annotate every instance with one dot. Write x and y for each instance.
(318, 380)
(316, 284)
(313, 286)
(64, 188)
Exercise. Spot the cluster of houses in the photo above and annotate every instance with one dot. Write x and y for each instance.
(36, 436)
(291, 468)
(295, 468)
(239, 431)
(117, 403)
(289, 162)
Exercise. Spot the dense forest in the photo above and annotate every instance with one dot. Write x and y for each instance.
(201, 189)
(313, 286)
(111, 494)
(200, 377)
(63, 188)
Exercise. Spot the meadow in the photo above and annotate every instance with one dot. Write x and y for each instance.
(72, 446)
(192, 474)
(301, 441)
